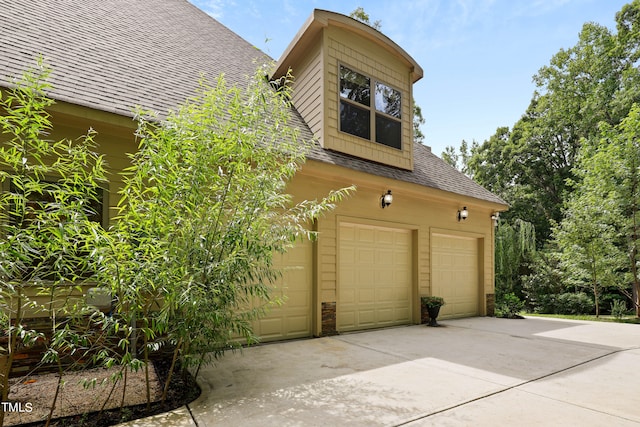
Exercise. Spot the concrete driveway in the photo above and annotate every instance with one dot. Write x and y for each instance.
(477, 371)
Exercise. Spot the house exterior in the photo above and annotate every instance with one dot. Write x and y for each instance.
(352, 92)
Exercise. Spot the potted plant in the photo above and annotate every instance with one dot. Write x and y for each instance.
(432, 304)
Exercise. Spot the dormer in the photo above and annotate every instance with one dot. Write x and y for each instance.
(354, 88)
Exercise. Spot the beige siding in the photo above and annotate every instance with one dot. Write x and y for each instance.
(307, 93)
(114, 142)
(422, 211)
(292, 318)
(346, 48)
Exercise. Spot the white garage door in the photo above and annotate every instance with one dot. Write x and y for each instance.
(292, 319)
(375, 277)
(455, 275)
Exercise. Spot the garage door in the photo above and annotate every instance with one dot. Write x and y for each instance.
(455, 275)
(292, 319)
(374, 284)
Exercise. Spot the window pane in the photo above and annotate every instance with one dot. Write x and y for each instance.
(388, 132)
(388, 100)
(355, 86)
(354, 120)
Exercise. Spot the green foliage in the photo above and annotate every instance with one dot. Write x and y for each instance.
(204, 208)
(618, 309)
(362, 16)
(189, 261)
(587, 238)
(514, 246)
(432, 301)
(545, 281)
(569, 166)
(509, 306)
(574, 303)
(461, 160)
(49, 188)
(593, 82)
(599, 234)
(418, 120)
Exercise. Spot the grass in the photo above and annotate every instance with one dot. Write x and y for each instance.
(601, 318)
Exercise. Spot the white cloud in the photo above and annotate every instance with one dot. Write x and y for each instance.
(213, 8)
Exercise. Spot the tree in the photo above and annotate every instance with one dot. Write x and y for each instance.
(461, 160)
(587, 241)
(595, 81)
(514, 247)
(362, 16)
(188, 261)
(204, 207)
(46, 226)
(418, 120)
(610, 174)
(582, 90)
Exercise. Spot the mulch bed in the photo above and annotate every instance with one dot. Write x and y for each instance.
(183, 390)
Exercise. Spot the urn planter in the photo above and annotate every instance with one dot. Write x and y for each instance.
(432, 306)
(433, 315)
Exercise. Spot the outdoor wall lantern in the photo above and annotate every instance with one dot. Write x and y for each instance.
(463, 214)
(495, 217)
(386, 199)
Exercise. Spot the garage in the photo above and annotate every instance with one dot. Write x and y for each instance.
(456, 275)
(374, 277)
(292, 319)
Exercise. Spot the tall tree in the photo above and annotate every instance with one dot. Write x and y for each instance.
(362, 16)
(595, 81)
(610, 176)
(48, 236)
(460, 160)
(204, 207)
(515, 245)
(587, 240)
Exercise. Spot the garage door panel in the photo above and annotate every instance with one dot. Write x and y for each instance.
(386, 315)
(366, 296)
(365, 235)
(366, 256)
(366, 317)
(381, 273)
(455, 275)
(347, 296)
(293, 318)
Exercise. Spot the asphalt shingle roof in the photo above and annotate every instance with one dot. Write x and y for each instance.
(116, 55)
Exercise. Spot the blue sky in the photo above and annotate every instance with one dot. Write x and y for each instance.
(478, 56)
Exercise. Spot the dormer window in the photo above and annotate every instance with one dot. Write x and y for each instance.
(356, 104)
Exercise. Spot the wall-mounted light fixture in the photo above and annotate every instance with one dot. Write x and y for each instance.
(495, 217)
(386, 199)
(463, 214)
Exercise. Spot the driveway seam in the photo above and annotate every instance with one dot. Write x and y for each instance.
(515, 386)
(191, 415)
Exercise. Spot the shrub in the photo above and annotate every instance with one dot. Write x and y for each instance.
(509, 306)
(618, 309)
(542, 287)
(574, 303)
